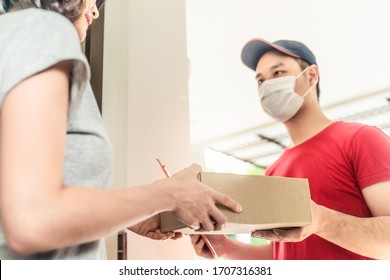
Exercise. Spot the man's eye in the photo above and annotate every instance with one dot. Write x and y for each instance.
(278, 73)
(259, 82)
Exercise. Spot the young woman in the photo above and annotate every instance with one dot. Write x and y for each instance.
(55, 156)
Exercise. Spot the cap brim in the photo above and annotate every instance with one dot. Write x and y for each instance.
(256, 48)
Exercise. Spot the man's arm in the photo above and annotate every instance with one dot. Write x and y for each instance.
(364, 236)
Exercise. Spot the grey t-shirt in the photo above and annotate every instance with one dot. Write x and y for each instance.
(31, 41)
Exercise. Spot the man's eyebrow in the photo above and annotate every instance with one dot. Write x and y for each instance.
(271, 68)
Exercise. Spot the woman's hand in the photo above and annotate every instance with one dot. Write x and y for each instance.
(195, 201)
(151, 228)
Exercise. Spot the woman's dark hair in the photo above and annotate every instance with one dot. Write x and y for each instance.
(71, 9)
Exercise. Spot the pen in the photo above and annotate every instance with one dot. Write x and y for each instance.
(205, 239)
(163, 167)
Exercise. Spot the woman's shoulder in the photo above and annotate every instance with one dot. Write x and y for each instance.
(36, 15)
(32, 40)
(36, 26)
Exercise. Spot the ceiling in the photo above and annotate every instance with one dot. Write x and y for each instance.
(262, 145)
(350, 39)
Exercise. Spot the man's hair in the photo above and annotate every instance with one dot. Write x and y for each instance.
(303, 64)
(71, 9)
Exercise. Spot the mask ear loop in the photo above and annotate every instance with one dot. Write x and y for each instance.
(310, 88)
(307, 92)
(300, 74)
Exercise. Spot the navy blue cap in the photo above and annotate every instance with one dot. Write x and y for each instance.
(256, 48)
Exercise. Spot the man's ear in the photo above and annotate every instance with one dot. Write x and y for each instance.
(314, 74)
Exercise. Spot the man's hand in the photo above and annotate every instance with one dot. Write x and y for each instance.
(292, 234)
(217, 241)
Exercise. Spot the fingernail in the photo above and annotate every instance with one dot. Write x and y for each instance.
(276, 232)
(257, 234)
(239, 208)
(195, 226)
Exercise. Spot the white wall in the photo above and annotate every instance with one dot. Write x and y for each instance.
(350, 39)
(145, 102)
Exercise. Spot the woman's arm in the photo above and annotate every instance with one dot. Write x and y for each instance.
(39, 213)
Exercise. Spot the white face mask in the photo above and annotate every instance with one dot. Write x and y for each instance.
(278, 97)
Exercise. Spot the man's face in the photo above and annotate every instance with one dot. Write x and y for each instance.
(274, 65)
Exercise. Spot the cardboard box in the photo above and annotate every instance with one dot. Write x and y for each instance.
(268, 202)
